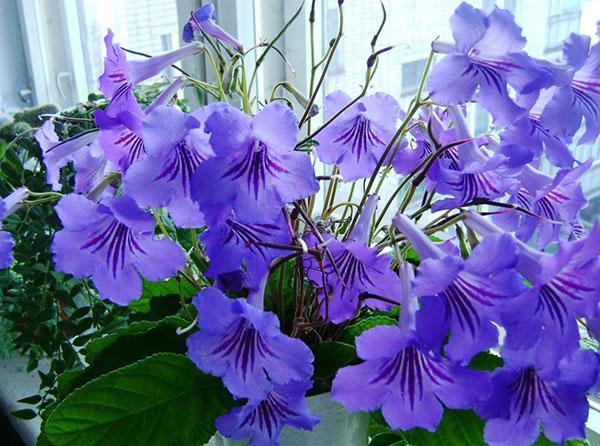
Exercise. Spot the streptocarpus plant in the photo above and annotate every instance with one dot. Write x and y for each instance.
(481, 242)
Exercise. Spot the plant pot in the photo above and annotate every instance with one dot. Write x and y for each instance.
(337, 427)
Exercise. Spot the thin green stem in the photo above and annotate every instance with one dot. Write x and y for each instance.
(336, 42)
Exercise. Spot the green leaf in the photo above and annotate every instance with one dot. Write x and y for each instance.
(458, 427)
(543, 441)
(163, 288)
(354, 330)
(33, 399)
(139, 340)
(486, 361)
(329, 358)
(388, 439)
(161, 400)
(24, 414)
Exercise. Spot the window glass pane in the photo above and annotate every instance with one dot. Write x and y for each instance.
(411, 75)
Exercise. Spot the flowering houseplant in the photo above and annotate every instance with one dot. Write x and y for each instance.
(396, 309)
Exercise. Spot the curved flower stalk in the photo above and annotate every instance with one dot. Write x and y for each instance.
(407, 380)
(356, 140)
(112, 242)
(553, 203)
(176, 145)
(462, 297)
(526, 398)
(255, 170)
(353, 272)
(121, 75)
(564, 286)
(487, 57)
(203, 19)
(8, 205)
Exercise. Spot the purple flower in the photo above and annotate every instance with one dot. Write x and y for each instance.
(90, 167)
(120, 75)
(554, 200)
(470, 172)
(120, 134)
(593, 325)
(203, 19)
(262, 420)
(577, 95)
(243, 345)
(564, 286)
(176, 144)
(230, 244)
(57, 155)
(462, 297)
(488, 55)
(256, 170)
(410, 383)
(8, 205)
(425, 142)
(356, 140)
(6, 246)
(112, 242)
(526, 398)
(356, 271)
(526, 139)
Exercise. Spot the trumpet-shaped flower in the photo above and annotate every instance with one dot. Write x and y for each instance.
(577, 95)
(462, 297)
(553, 201)
(357, 138)
(256, 170)
(488, 56)
(243, 345)
(408, 381)
(57, 154)
(112, 242)
(353, 271)
(8, 205)
(203, 19)
(262, 420)
(121, 75)
(564, 286)
(176, 145)
(120, 134)
(526, 398)
(231, 244)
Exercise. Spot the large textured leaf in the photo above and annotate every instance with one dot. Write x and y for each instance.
(171, 287)
(353, 331)
(137, 341)
(329, 358)
(161, 400)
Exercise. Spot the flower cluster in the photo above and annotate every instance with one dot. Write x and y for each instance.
(531, 271)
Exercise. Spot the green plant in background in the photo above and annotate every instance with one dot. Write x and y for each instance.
(47, 316)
